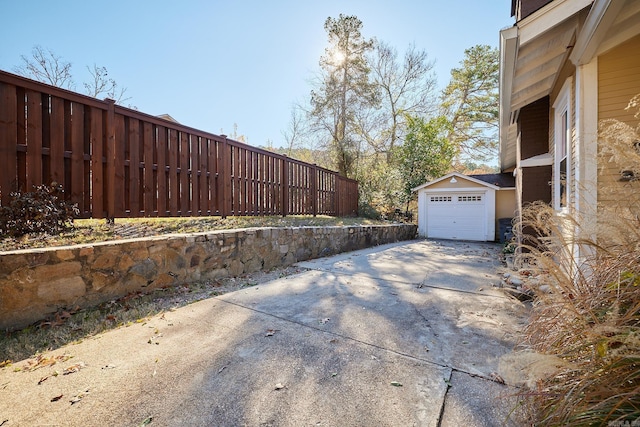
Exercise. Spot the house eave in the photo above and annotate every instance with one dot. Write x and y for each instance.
(548, 17)
(508, 54)
(532, 54)
(602, 17)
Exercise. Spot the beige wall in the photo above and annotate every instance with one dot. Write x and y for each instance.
(505, 204)
(618, 82)
(461, 183)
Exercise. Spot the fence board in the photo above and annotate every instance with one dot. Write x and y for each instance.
(185, 202)
(98, 206)
(163, 186)
(173, 152)
(148, 207)
(56, 139)
(122, 186)
(212, 181)
(34, 139)
(8, 139)
(194, 144)
(134, 167)
(77, 155)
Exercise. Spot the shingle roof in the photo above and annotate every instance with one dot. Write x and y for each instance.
(502, 180)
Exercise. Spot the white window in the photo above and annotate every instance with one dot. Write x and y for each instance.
(562, 147)
(469, 198)
(440, 198)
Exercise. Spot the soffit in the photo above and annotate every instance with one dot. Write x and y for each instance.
(539, 62)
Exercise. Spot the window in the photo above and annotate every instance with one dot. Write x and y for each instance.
(440, 198)
(562, 148)
(469, 198)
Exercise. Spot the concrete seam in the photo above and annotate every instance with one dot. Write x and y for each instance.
(415, 284)
(447, 381)
(345, 337)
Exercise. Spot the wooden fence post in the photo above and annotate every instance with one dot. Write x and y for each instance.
(110, 127)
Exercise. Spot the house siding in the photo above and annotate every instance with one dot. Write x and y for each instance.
(527, 7)
(535, 184)
(533, 125)
(505, 204)
(618, 82)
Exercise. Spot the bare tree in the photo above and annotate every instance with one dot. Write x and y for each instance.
(101, 85)
(407, 87)
(46, 67)
(295, 134)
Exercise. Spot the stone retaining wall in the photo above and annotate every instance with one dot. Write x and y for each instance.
(37, 282)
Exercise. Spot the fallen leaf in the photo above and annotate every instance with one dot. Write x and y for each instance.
(109, 366)
(73, 368)
(41, 361)
(78, 397)
(279, 386)
(334, 374)
(396, 384)
(43, 379)
(5, 363)
(146, 421)
(271, 332)
(55, 399)
(222, 369)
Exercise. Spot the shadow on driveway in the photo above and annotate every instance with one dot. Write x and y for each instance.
(403, 334)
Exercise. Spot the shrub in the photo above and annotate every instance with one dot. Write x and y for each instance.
(42, 210)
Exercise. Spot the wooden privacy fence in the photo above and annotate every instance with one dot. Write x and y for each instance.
(117, 162)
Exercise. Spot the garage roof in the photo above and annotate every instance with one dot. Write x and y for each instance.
(495, 181)
(502, 180)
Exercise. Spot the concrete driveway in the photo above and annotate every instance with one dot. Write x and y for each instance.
(407, 334)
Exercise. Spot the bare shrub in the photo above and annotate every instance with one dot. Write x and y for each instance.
(42, 210)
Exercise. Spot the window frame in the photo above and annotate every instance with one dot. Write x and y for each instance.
(562, 147)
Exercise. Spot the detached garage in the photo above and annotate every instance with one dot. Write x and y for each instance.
(465, 207)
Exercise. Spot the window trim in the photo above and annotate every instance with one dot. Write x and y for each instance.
(562, 106)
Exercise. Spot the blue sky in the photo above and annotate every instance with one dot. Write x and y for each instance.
(211, 64)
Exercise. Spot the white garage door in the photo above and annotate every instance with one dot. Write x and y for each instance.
(458, 216)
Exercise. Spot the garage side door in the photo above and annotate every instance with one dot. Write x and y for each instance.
(456, 216)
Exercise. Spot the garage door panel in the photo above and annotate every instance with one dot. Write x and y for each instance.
(456, 216)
